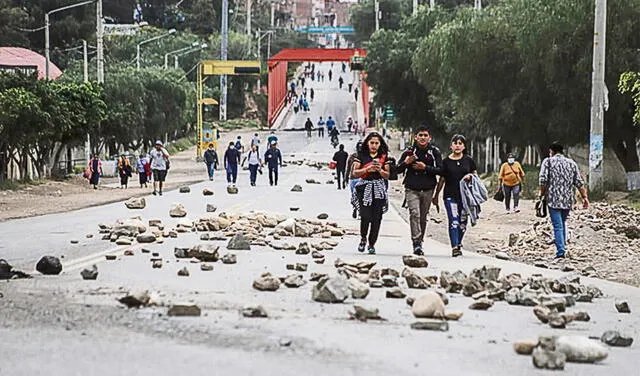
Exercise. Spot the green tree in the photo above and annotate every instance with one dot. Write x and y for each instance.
(364, 22)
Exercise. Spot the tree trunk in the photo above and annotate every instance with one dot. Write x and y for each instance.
(627, 152)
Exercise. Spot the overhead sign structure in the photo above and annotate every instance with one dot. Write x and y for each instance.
(216, 68)
(326, 29)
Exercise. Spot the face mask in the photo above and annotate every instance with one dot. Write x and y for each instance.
(511, 160)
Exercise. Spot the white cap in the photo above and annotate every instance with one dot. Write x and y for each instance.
(159, 143)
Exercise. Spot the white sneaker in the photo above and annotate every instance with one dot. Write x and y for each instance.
(508, 211)
(516, 210)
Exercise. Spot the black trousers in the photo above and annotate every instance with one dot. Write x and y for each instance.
(341, 173)
(370, 218)
(273, 173)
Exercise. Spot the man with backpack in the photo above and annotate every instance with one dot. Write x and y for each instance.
(340, 157)
(421, 164)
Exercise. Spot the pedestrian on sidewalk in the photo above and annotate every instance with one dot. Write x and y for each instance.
(340, 157)
(510, 180)
(558, 177)
(308, 126)
(273, 158)
(231, 160)
(159, 166)
(372, 167)
(95, 168)
(211, 160)
(255, 164)
(456, 167)
(142, 165)
(321, 127)
(421, 165)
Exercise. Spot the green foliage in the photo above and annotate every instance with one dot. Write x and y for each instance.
(181, 144)
(363, 17)
(630, 84)
(238, 124)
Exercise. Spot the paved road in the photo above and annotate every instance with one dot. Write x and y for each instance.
(64, 326)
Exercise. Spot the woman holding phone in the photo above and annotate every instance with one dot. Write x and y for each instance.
(371, 166)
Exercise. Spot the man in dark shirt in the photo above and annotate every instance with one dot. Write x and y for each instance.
(340, 157)
(273, 158)
(420, 164)
(308, 126)
(211, 159)
(231, 160)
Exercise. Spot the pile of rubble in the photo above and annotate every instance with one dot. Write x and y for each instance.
(602, 242)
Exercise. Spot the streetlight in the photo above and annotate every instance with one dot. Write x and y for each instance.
(261, 34)
(166, 56)
(171, 32)
(46, 30)
(175, 58)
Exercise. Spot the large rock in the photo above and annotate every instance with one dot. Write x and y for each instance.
(296, 188)
(294, 281)
(49, 265)
(266, 283)
(177, 211)
(452, 282)
(136, 203)
(331, 290)
(415, 261)
(238, 242)
(614, 338)
(7, 271)
(204, 252)
(547, 359)
(146, 238)
(90, 274)
(428, 305)
(136, 299)
(581, 349)
(414, 281)
(358, 289)
(623, 306)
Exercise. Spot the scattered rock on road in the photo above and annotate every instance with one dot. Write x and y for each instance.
(428, 305)
(614, 338)
(294, 281)
(185, 189)
(184, 272)
(232, 190)
(548, 359)
(502, 256)
(7, 271)
(301, 267)
(184, 310)
(135, 299)
(437, 325)
(146, 238)
(581, 349)
(323, 216)
(239, 242)
(453, 316)
(206, 267)
(482, 304)
(623, 306)
(525, 347)
(211, 208)
(358, 289)
(90, 274)
(414, 281)
(395, 293)
(296, 188)
(331, 290)
(415, 261)
(363, 314)
(204, 252)
(207, 192)
(229, 258)
(257, 311)
(303, 249)
(136, 203)
(266, 282)
(157, 264)
(49, 265)
(177, 211)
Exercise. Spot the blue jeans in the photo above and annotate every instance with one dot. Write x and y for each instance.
(232, 173)
(253, 173)
(559, 222)
(457, 221)
(211, 169)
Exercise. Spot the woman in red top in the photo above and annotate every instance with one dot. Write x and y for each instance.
(371, 166)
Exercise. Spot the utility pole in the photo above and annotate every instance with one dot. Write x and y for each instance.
(99, 42)
(432, 4)
(415, 7)
(223, 56)
(46, 45)
(248, 17)
(598, 97)
(478, 4)
(377, 9)
(273, 14)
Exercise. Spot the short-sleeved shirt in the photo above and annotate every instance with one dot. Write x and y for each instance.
(560, 175)
(453, 170)
(158, 161)
(365, 158)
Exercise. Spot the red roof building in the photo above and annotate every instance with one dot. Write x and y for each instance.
(17, 59)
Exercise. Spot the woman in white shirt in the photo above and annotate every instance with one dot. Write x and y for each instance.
(254, 164)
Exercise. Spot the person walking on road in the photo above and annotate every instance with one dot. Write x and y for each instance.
(355, 93)
(272, 137)
(353, 181)
(349, 124)
(231, 161)
(308, 126)
(456, 167)
(330, 74)
(273, 158)
(355, 127)
(330, 124)
(95, 168)
(239, 147)
(124, 171)
(558, 177)
(372, 167)
(142, 166)
(211, 160)
(256, 141)
(312, 94)
(321, 127)
(340, 157)
(421, 165)
(254, 164)
(159, 166)
(340, 82)
(510, 180)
